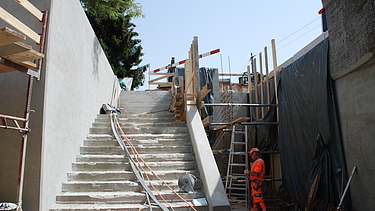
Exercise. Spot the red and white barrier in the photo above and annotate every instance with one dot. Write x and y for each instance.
(183, 61)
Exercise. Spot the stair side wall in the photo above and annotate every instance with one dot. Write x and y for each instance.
(79, 80)
(212, 183)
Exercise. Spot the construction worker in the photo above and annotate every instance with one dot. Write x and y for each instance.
(257, 173)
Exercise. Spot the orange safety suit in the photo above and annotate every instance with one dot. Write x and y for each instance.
(258, 167)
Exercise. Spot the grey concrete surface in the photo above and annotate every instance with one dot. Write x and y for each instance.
(351, 26)
(356, 100)
(213, 185)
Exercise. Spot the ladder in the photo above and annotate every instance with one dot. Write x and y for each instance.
(237, 183)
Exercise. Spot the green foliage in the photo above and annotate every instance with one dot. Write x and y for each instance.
(112, 9)
(111, 21)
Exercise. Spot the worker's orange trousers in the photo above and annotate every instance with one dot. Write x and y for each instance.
(258, 203)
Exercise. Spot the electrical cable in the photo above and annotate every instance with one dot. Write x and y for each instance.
(136, 154)
(283, 39)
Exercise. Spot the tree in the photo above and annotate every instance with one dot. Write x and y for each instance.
(111, 21)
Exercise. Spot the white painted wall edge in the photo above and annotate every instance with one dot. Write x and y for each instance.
(209, 173)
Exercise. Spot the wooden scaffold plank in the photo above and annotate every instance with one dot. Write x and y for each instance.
(31, 8)
(11, 20)
(8, 36)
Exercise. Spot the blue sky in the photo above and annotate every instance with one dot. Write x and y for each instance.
(238, 28)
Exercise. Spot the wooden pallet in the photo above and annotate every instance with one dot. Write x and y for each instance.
(14, 51)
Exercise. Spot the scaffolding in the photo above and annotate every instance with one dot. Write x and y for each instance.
(189, 93)
(18, 56)
(259, 91)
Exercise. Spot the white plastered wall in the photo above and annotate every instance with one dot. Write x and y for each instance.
(78, 81)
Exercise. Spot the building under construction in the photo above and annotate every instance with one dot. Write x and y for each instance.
(71, 139)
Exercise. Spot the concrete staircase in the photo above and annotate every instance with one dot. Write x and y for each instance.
(102, 178)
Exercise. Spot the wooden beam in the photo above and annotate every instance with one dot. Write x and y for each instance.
(20, 53)
(274, 59)
(201, 105)
(8, 66)
(168, 74)
(11, 20)
(14, 48)
(261, 85)
(205, 90)
(255, 73)
(207, 121)
(31, 8)
(238, 120)
(249, 88)
(223, 127)
(24, 56)
(8, 36)
(28, 64)
(267, 77)
(156, 79)
(241, 119)
(227, 74)
(161, 83)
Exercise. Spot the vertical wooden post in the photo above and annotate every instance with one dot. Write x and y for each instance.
(195, 65)
(183, 106)
(188, 77)
(275, 70)
(249, 88)
(255, 73)
(267, 76)
(261, 84)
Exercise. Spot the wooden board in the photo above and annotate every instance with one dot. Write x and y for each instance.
(14, 48)
(24, 56)
(205, 90)
(11, 20)
(31, 8)
(8, 36)
(239, 120)
(28, 64)
(8, 66)
(6, 69)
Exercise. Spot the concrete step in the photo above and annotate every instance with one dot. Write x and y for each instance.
(133, 96)
(142, 124)
(142, 115)
(151, 142)
(125, 166)
(134, 130)
(178, 206)
(145, 157)
(116, 186)
(121, 197)
(135, 120)
(146, 136)
(92, 150)
(144, 105)
(126, 175)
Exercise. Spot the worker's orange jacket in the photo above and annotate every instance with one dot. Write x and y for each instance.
(258, 166)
